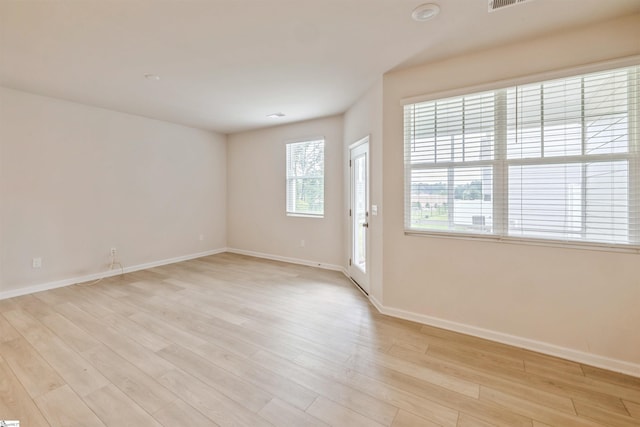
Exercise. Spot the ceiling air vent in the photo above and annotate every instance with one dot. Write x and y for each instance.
(501, 4)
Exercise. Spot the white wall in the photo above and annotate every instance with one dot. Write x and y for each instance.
(77, 180)
(363, 119)
(256, 195)
(586, 302)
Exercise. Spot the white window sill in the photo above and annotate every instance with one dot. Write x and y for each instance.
(304, 215)
(607, 247)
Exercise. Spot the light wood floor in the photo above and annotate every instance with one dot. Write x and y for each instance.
(232, 340)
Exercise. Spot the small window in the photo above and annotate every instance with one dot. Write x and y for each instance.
(305, 178)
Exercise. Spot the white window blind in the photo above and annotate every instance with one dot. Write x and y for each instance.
(555, 160)
(305, 178)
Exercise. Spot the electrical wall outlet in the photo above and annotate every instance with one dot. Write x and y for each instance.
(201, 237)
(37, 262)
(302, 243)
(113, 252)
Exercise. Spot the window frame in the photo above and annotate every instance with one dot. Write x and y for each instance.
(500, 163)
(289, 178)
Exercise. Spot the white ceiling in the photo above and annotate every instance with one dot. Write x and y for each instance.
(226, 64)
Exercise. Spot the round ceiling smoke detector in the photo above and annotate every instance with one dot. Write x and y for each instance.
(424, 12)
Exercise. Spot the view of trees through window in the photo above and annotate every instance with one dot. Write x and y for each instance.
(305, 178)
(430, 205)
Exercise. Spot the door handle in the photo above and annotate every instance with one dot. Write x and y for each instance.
(365, 224)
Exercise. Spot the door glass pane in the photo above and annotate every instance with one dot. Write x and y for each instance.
(360, 212)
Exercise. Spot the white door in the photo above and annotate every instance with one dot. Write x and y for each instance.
(359, 213)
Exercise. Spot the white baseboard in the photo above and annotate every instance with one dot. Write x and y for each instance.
(377, 304)
(526, 343)
(91, 277)
(287, 259)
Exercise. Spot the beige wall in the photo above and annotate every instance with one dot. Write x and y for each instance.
(363, 119)
(585, 301)
(77, 180)
(256, 195)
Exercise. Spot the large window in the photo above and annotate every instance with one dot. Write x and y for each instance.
(305, 178)
(555, 160)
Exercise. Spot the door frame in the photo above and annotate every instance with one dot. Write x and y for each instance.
(362, 280)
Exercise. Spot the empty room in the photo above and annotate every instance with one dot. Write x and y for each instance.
(320, 213)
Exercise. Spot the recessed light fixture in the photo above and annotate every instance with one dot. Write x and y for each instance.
(424, 12)
(150, 76)
(276, 115)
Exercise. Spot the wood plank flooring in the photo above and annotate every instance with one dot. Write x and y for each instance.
(231, 340)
